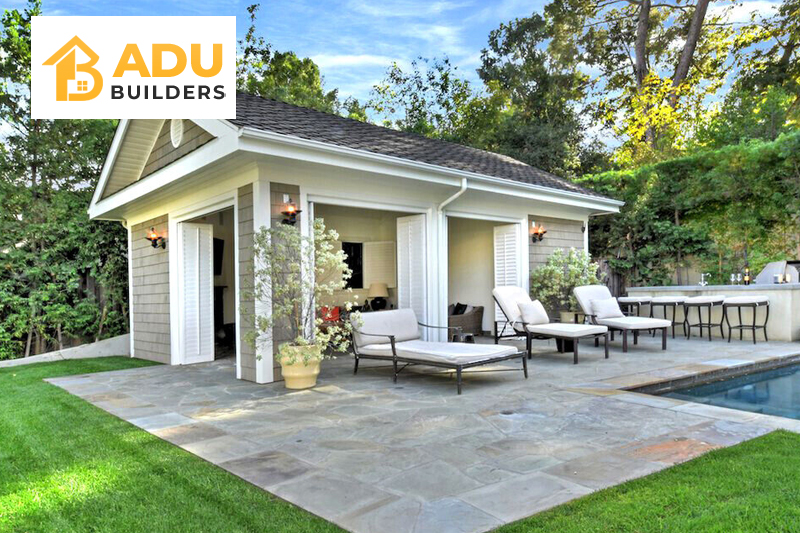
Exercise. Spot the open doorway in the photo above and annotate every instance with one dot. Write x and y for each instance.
(208, 288)
(482, 254)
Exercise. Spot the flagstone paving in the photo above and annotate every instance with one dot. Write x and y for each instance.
(373, 456)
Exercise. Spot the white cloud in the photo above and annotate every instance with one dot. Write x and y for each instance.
(353, 60)
(741, 12)
(404, 8)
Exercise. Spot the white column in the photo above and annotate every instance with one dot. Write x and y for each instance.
(263, 307)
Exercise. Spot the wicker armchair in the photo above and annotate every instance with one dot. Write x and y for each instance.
(469, 322)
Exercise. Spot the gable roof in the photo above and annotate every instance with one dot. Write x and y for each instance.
(287, 119)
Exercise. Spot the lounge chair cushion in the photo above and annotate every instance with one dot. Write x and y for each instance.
(402, 323)
(607, 308)
(440, 352)
(509, 298)
(739, 300)
(587, 293)
(533, 313)
(572, 331)
(635, 323)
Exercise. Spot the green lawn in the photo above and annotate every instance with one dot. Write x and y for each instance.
(68, 466)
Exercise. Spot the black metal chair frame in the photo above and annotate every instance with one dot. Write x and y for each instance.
(624, 331)
(674, 306)
(529, 337)
(700, 324)
(742, 326)
(626, 308)
(409, 361)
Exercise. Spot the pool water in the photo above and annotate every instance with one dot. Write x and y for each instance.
(772, 392)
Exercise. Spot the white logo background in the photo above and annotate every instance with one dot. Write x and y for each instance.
(107, 37)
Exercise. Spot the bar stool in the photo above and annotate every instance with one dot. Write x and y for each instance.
(753, 302)
(666, 302)
(699, 302)
(631, 302)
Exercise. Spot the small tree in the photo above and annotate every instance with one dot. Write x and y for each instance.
(296, 273)
(552, 283)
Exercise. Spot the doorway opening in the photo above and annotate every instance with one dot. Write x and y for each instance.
(482, 255)
(209, 287)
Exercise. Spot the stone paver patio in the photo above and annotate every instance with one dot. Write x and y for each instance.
(372, 456)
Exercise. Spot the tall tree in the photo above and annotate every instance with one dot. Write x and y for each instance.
(47, 244)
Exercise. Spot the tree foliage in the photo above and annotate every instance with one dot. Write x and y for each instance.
(62, 277)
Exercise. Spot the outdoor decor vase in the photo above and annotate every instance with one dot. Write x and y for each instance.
(298, 374)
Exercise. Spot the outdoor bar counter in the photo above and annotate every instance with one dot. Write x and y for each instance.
(784, 307)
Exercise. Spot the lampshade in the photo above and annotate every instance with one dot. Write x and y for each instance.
(378, 290)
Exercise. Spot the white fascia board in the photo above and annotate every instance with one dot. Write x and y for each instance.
(216, 127)
(108, 164)
(194, 161)
(315, 151)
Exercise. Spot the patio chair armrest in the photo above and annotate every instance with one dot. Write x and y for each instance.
(458, 328)
(390, 337)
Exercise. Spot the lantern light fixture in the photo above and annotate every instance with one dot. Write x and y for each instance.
(537, 232)
(155, 239)
(290, 212)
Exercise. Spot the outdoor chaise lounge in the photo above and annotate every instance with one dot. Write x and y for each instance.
(528, 318)
(602, 308)
(395, 336)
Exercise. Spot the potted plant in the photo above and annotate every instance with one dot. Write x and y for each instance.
(297, 273)
(552, 283)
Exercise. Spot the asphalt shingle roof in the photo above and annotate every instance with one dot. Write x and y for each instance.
(286, 119)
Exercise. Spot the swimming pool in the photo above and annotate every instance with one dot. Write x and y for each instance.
(772, 392)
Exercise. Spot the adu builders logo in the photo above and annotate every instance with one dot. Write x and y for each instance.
(133, 67)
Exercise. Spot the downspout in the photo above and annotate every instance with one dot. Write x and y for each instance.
(458, 193)
(443, 252)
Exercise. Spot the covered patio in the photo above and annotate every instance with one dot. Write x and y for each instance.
(370, 455)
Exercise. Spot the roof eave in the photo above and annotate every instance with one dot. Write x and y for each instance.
(605, 205)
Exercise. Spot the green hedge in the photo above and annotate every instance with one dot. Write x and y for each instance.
(716, 207)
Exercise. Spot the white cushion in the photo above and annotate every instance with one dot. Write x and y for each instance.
(755, 299)
(572, 331)
(402, 323)
(606, 308)
(635, 322)
(509, 298)
(440, 352)
(634, 299)
(534, 313)
(669, 299)
(714, 299)
(587, 293)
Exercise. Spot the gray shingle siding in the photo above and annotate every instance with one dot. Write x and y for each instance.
(561, 233)
(150, 288)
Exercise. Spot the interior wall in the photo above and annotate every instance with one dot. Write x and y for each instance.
(359, 225)
(223, 229)
(470, 268)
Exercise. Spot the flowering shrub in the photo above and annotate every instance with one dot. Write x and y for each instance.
(552, 283)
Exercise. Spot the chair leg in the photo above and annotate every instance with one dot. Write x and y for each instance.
(664, 339)
(458, 379)
(727, 321)
(766, 319)
(394, 364)
(596, 342)
(635, 337)
(575, 351)
(605, 343)
(624, 341)
(755, 311)
(612, 335)
(355, 368)
(528, 343)
(687, 328)
(525, 366)
(741, 333)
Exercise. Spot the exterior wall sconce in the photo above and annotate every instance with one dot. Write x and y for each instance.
(155, 239)
(290, 213)
(537, 232)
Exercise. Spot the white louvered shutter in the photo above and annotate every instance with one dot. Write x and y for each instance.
(506, 262)
(197, 273)
(412, 279)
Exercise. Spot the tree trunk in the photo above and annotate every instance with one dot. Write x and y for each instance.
(58, 334)
(640, 48)
(102, 322)
(679, 269)
(28, 342)
(692, 36)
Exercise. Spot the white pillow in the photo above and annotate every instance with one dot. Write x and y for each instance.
(533, 313)
(607, 308)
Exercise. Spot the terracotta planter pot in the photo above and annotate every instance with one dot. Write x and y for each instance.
(299, 374)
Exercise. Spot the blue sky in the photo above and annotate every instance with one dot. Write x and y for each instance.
(354, 41)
